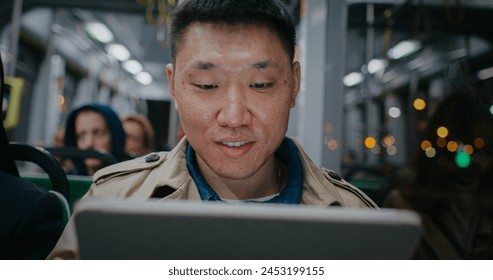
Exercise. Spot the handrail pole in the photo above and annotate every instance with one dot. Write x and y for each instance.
(16, 28)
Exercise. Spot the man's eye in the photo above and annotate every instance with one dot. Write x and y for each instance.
(260, 85)
(100, 133)
(206, 86)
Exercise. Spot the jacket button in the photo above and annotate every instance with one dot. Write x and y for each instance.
(334, 175)
(152, 157)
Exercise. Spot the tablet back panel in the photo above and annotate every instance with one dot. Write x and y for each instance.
(197, 230)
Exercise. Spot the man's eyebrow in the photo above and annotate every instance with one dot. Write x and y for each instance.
(203, 65)
(263, 64)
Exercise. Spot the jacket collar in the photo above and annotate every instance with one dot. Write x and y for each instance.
(171, 180)
(317, 190)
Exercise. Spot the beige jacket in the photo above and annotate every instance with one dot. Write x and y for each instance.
(165, 175)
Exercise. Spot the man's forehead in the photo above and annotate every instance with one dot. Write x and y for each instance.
(221, 26)
(198, 30)
(212, 46)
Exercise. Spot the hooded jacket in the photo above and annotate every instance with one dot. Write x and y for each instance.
(115, 127)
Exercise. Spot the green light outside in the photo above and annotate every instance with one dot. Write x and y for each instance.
(462, 159)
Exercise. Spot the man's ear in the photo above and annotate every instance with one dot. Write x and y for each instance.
(170, 74)
(296, 70)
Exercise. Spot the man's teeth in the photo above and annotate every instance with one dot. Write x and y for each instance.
(234, 144)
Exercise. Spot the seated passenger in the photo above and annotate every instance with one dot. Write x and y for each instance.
(234, 81)
(31, 219)
(96, 127)
(452, 190)
(140, 135)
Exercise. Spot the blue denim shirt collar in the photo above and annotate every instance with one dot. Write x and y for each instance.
(287, 153)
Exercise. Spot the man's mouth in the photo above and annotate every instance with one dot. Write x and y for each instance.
(235, 144)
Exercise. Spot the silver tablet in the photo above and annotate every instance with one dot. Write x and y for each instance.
(177, 229)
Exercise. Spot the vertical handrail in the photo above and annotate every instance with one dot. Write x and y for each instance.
(16, 27)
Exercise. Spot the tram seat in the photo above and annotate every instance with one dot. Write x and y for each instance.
(71, 153)
(78, 185)
(47, 162)
(54, 172)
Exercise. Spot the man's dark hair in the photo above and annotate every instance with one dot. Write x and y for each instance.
(271, 13)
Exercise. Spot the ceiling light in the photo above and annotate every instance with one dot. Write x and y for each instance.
(144, 78)
(353, 78)
(394, 112)
(376, 65)
(403, 49)
(99, 31)
(132, 66)
(118, 51)
(485, 73)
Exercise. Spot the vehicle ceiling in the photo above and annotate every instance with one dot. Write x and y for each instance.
(449, 31)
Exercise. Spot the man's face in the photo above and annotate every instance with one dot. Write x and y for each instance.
(233, 87)
(92, 133)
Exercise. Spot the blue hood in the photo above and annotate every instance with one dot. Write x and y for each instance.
(114, 124)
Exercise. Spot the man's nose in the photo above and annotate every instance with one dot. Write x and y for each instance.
(234, 110)
(88, 143)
